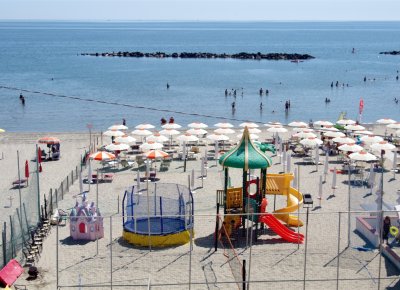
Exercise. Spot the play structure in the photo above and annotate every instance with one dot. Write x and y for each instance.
(86, 222)
(237, 201)
(160, 217)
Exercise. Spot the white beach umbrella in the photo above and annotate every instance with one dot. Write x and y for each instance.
(145, 126)
(346, 122)
(311, 142)
(383, 145)
(298, 124)
(354, 127)
(333, 134)
(362, 156)
(157, 137)
(141, 132)
(343, 140)
(252, 130)
(171, 126)
(394, 126)
(350, 147)
(323, 123)
(117, 147)
(371, 139)
(224, 131)
(249, 125)
(276, 129)
(252, 136)
(329, 128)
(302, 129)
(118, 127)
(125, 139)
(113, 133)
(197, 125)
(386, 121)
(197, 131)
(218, 137)
(224, 125)
(272, 124)
(304, 134)
(187, 138)
(363, 132)
(150, 145)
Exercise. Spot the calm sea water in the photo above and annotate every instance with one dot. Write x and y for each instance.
(44, 56)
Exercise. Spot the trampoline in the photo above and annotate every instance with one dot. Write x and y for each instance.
(162, 218)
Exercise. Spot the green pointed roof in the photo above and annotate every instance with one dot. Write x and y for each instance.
(245, 155)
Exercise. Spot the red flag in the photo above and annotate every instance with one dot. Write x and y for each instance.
(40, 167)
(26, 169)
(39, 155)
(361, 106)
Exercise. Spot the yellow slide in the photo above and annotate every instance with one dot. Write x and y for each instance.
(279, 184)
(295, 199)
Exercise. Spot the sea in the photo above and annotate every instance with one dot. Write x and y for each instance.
(67, 92)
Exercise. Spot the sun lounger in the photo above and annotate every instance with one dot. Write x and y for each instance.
(20, 183)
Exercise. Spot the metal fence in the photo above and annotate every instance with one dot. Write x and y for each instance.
(16, 232)
(333, 255)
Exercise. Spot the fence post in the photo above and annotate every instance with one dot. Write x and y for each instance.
(56, 197)
(12, 238)
(111, 256)
(51, 201)
(4, 239)
(216, 229)
(62, 190)
(244, 275)
(67, 184)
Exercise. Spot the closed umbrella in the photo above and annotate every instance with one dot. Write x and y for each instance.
(288, 163)
(371, 179)
(334, 181)
(39, 155)
(197, 125)
(394, 162)
(294, 184)
(316, 157)
(80, 182)
(326, 166)
(27, 171)
(320, 189)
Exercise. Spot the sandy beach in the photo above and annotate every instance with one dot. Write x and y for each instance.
(271, 262)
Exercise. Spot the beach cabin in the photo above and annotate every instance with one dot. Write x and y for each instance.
(86, 222)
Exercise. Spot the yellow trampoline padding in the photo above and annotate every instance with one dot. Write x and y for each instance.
(176, 239)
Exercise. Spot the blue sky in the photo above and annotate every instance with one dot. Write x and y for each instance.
(200, 9)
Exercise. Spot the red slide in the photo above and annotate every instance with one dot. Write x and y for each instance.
(287, 234)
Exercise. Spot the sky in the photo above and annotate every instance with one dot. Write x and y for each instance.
(201, 10)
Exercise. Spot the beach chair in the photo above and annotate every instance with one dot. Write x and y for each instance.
(19, 183)
(29, 258)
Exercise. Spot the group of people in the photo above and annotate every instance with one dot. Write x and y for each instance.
(164, 121)
(232, 92)
(261, 92)
(337, 84)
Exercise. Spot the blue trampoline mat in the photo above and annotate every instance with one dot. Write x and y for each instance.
(158, 226)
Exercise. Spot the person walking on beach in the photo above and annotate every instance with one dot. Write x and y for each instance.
(261, 92)
(22, 99)
(261, 106)
(386, 229)
(226, 92)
